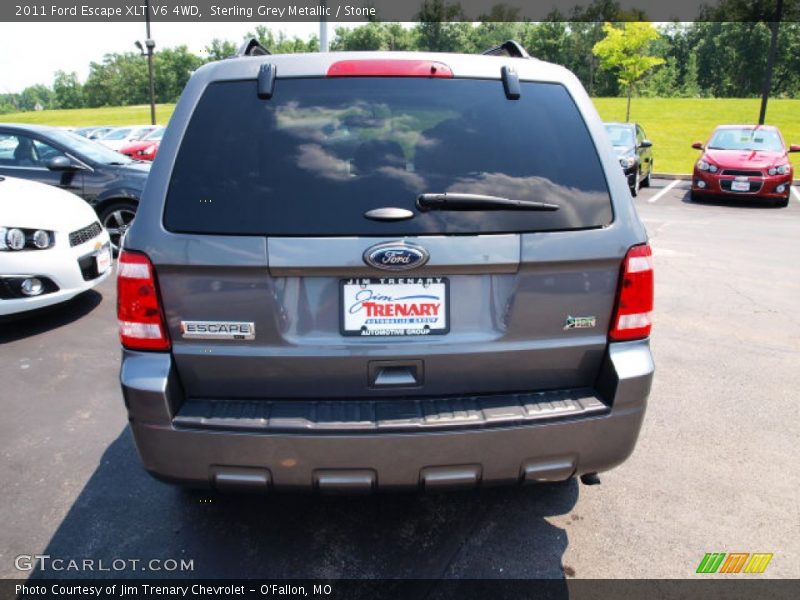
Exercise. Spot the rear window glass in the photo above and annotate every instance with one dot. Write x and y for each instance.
(323, 151)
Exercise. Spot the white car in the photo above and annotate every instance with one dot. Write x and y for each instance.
(52, 247)
(123, 136)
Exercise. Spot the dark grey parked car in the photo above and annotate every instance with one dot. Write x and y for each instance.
(389, 274)
(109, 181)
(635, 153)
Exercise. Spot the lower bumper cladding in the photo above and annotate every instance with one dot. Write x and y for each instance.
(362, 446)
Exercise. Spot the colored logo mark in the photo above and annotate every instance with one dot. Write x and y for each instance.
(735, 562)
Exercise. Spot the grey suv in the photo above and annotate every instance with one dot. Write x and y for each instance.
(396, 270)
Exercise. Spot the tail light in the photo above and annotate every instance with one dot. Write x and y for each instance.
(631, 319)
(141, 319)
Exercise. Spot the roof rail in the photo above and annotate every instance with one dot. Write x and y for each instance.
(252, 47)
(509, 48)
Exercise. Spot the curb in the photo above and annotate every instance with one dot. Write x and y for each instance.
(681, 176)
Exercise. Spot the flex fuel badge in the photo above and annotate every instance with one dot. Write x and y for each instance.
(580, 322)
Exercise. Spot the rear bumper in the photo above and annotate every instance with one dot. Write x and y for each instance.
(550, 449)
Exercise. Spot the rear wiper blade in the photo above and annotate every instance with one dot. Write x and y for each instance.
(457, 201)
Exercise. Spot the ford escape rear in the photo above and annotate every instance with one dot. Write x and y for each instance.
(397, 270)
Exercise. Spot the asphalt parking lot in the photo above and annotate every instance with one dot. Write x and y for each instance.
(714, 470)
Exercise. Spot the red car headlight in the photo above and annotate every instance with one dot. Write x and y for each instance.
(704, 165)
(779, 170)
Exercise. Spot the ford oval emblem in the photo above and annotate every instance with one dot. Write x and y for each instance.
(396, 256)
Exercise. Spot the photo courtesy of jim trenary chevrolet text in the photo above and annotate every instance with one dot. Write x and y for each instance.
(376, 299)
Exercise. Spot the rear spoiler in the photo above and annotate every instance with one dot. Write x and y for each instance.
(510, 48)
(252, 47)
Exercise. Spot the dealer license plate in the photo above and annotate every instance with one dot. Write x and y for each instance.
(740, 186)
(103, 258)
(404, 306)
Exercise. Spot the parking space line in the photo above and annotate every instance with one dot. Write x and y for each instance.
(664, 191)
(796, 193)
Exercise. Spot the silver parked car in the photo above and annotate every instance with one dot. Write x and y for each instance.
(395, 270)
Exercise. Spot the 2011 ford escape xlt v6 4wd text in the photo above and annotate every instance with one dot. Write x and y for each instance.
(396, 270)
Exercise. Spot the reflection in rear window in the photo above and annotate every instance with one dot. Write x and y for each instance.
(322, 152)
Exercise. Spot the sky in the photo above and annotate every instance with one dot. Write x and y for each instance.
(31, 53)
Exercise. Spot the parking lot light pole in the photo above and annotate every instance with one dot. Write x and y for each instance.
(773, 48)
(149, 54)
(323, 28)
(150, 44)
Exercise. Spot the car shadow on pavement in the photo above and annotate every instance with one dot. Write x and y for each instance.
(122, 513)
(23, 325)
(733, 203)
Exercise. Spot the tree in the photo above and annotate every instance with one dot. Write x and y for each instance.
(690, 89)
(120, 80)
(219, 49)
(585, 30)
(68, 90)
(397, 37)
(624, 50)
(373, 36)
(663, 82)
(500, 25)
(173, 67)
(35, 95)
(281, 44)
(547, 41)
(442, 28)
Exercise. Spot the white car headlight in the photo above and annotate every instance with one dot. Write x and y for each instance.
(41, 239)
(17, 238)
(627, 161)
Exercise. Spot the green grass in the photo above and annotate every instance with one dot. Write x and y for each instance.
(82, 117)
(672, 124)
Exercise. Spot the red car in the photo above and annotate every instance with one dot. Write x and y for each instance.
(146, 148)
(744, 160)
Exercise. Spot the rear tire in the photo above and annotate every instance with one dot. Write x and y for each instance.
(646, 180)
(117, 218)
(635, 187)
